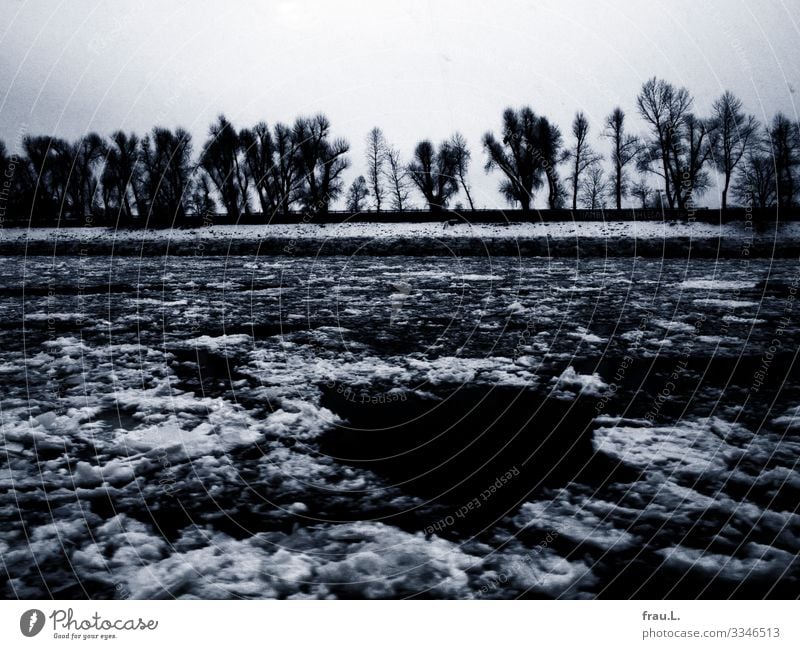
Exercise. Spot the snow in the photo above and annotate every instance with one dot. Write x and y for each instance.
(715, 285)
(747, 321)
(725, 304)
(480, 278)
(220, 239)
(577, 289)
(570, 383)
(685, 450)
(757, 562)
(351, 560)
(581, 519)
(584, 335)
(217, 344)
(673, 326)
(115, 409)
(564, 230)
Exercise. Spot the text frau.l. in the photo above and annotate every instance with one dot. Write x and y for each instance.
(64, 619)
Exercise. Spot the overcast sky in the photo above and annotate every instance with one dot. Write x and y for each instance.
(416, 68)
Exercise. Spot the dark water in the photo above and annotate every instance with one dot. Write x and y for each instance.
(399, 427)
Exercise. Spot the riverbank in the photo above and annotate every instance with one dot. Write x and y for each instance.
(563, 239)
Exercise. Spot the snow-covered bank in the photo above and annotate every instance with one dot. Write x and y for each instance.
(647, 239)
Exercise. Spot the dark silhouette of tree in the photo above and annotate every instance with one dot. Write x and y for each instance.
(434, 173)
(642, 192)
(624, 149)
(5, 183)
(357, 194)
(398, 178)
(515, 155)
(551, 144)
(271, 164)
(784, 138)
(222, 160)
(377, 150)
(529, 149)
(82, 160)
(664, 108)
(301, 166)
(43, 178)
(320, 162)
(594, 188)
(9, 185)
(259, 150)
(462, 159)
(693, 148)
(167, 172)
(755, 184)
(581, 156)
(201, 202)
(681, 144)
(735, 132)
(122, 176)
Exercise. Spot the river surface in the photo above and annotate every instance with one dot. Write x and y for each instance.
(300, 427)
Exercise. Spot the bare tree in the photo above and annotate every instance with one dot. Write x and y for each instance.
(59, 178)
(528, 150)
(434, 173)
(734, 134)
(594, 188)
(270, 160)
(6, 167)
(642, 192)
(462, 160)
(681, 145)
(399, 179)
(122, 175)
(320, 162)
(551, 145)
(12, 198)
(82, 160)
(167, 170)
(286, 169)
(357, 194)
(258, 150)
(624, 149)
(41, 183)
(664, 108)
(377, 150)
(755, 185)
(201, 202)
(693, 149)
(784, 138)
(581, 155)
(221, 160)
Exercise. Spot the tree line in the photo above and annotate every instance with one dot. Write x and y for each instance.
(299, 167)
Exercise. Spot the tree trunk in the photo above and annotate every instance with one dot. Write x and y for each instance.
(551, 197)
(466, 191)
(127, 206)
(575, 181)
(670, 197)
(725, 192)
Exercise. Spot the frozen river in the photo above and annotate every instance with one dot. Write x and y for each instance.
(397, 427)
